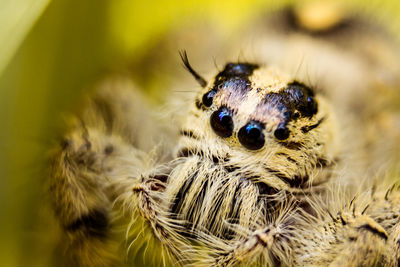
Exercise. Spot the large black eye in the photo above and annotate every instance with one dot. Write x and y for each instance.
(209, 97)
(251, 136)
(282, 132)
(221, 122)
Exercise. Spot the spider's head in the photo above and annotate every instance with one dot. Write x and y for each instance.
(262, 122)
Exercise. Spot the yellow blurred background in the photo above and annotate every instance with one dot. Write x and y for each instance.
(51, 52)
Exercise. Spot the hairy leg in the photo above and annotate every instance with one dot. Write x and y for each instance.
(349, 235)
(83, 173)
(385, 209)
(96, 162)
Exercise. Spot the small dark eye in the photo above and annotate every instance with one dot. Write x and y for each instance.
(312, 106)
(208, 98)
(251, 136)
(282, 132)
(221, 122)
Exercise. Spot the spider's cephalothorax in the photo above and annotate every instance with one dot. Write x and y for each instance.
(259, 123)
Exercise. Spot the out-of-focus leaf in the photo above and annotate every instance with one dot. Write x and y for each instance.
(16, 18)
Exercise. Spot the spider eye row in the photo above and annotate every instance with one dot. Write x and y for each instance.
(293, 101)
(250, 135)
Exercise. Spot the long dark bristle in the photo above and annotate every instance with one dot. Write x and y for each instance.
(186, 63)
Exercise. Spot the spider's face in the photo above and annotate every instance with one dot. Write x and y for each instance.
(258, 118)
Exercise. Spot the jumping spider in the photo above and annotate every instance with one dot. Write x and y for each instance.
(250, 181)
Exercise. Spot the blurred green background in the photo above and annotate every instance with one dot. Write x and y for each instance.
(52, 51)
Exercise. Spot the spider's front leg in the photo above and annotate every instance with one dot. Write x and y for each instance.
(94, 165)
(81, 193)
